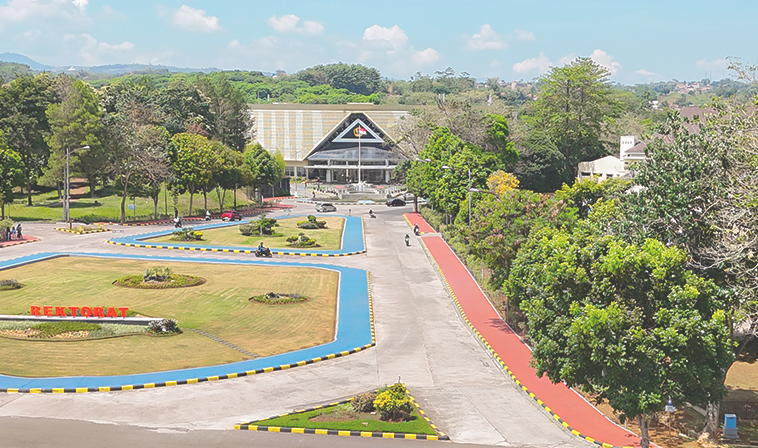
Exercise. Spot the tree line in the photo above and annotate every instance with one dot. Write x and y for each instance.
(192, 137)
(635, 290)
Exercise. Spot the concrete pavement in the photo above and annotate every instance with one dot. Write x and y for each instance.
(420, 339)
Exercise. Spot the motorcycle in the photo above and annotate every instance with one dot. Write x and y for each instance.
(371, 214)
(416, 231)
(177, 222)
(266, 252)
(207, 216)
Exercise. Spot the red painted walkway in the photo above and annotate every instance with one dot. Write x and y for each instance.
(14, 242)
(570, 407)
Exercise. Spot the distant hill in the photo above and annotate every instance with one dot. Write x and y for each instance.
(21, 59)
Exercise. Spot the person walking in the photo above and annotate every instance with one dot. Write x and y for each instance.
(18, 231)
(13, 233)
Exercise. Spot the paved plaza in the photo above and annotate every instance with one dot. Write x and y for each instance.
(421, 341)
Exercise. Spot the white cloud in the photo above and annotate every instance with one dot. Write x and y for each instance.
(524, 35)
(288, 24)
(602, 58)
(192, 19)
(565, 60)
(427, 56)
(541, 63)
(644, 72)
(395, 36)
(716, 64)
(31, 34)
(35, 10)
(126, 45)
(485, 39)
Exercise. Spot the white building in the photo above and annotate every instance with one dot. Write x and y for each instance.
(602, 169)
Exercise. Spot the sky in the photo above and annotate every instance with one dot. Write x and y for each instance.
(641, 41)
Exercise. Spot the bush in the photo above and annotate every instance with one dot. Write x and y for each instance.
(248, 229)
(273, 298)
(394, 404)
(164, 326)
(364, 402)
(187, 234)
(9, 284)
(301, 241)
(157, 274)
(311, 223)
(292, 239)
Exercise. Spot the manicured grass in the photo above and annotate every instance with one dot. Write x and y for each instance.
(47, 206)
(356, 423)
(329, 238)
(219, 307)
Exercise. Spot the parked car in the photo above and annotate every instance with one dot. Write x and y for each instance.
(397, 202)
(325, 207)
(231, 215)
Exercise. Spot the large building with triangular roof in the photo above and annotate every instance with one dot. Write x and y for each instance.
(341, 143)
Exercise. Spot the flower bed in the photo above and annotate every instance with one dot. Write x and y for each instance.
(173, 281)
(273, 298)
(66, 330)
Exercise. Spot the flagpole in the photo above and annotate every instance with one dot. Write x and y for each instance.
(360, 134)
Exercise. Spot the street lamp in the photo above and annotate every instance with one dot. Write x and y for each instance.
(67, 198)
(445, 167)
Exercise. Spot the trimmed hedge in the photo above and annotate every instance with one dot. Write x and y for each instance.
(50, 329)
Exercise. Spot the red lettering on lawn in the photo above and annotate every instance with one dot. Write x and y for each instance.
(98, 311)
(111, 312)
(86, 311)
(34, 311)
(73, 310)
(47, 311)
(123, 311)
(60, 311)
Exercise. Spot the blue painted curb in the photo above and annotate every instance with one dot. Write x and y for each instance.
(354, 334)
(352, 240)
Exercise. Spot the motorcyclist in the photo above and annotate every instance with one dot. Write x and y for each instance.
(177, 221)
(261, 247)
(416, 230)
(207, 215)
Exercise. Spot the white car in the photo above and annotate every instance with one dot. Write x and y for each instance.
(325, 207)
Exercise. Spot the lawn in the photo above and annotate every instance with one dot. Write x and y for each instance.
(107, 206)
(219, 307)
(342, 417)
(329, 238)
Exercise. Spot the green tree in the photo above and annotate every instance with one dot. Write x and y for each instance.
(231, 121)
(22, 118)
(193, 163)
(354, 78)
(629, 323)
(185, 108)
(574, 104)
(263, 166)
(234, 173)
(11, 174)
(76, 122)
(540, 164)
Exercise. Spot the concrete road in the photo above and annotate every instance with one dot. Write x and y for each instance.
(421, 340)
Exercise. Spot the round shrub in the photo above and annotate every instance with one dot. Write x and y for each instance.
(394, 404)
(187, 234)
(172, 281)
(164, 326)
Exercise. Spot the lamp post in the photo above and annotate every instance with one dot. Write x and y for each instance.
(67, 198)
(445, 167)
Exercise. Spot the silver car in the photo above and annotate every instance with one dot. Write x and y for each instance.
(325, 207)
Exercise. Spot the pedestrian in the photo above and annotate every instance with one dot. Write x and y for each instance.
(18, 231)
(13, 233)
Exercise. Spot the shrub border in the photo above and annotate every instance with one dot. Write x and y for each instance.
(199, 279)
(251, 426)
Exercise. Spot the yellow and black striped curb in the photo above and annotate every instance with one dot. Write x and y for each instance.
(17, 242)
(251, 426)
(61, 390)
(508, 370)
(85, 232)
(77, 390)
(234, 251)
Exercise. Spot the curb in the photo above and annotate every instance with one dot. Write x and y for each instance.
(505, 367)
(16, 242)
(200, 218)
(153, 385)
(86, 232)
(234, 251)
(251, 426)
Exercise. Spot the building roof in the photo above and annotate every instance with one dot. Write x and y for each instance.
(296, 129)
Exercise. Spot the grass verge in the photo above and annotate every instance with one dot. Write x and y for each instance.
(328, 239)
(220, 307)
